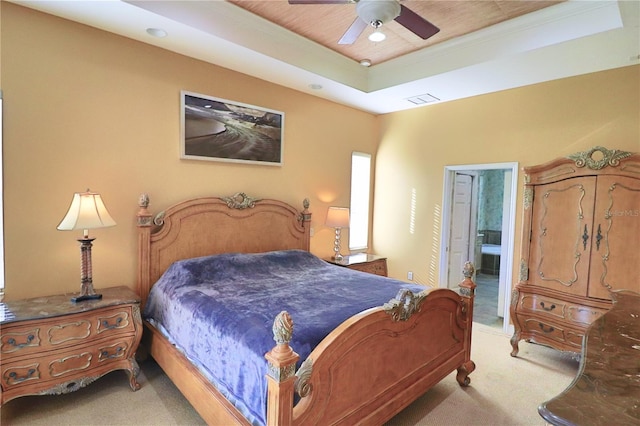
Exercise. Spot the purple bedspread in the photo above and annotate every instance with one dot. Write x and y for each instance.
(219, 311)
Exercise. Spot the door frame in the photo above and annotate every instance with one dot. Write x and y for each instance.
(508, 230)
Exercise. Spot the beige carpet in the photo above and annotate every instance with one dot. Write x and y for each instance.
(503, 391)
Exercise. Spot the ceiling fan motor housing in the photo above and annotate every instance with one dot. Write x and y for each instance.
(384, 11)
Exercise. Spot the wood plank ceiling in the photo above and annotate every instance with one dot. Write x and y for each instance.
(326, 23)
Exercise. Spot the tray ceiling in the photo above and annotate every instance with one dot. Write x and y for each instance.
(483, 46)
(326, 23)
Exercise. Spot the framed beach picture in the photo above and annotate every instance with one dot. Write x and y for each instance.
(216, 129)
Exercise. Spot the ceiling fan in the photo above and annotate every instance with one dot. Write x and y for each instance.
(376, 13)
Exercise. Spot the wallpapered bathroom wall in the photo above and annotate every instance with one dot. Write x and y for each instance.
(490, 198)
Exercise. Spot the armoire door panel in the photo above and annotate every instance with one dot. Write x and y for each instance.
(615, 252)
(561, 232)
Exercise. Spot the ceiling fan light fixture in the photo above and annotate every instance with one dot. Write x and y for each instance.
(378, 10)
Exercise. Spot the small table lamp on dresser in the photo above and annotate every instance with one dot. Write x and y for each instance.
(87, 211)
(338, 218)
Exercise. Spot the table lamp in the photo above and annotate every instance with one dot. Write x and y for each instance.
(338, 218)
(87, 211)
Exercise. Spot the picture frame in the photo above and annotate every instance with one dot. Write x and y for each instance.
(215, 129)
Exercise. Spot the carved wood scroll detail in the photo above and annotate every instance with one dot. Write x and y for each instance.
(240, 201)
(159, 219)
(524, 270)
(609, 158)
(302, 386)
(405, 304)
(70, 386)
(528, 197)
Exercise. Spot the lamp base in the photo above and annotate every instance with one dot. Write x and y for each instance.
(86, 297)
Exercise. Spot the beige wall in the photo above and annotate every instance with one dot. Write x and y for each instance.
(88, 109)
(85, 108)
(529, 125)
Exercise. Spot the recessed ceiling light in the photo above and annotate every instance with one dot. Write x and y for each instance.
(156, 32)
(365, 62)
(315, 86)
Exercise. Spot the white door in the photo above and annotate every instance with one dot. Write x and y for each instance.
(461, 245)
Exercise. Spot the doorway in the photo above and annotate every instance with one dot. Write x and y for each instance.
(478, 225)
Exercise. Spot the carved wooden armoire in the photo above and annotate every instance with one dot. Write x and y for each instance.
(580, 240)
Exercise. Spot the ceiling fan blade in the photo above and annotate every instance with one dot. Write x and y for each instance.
(320, 1)
(416, 23)
(353, 32)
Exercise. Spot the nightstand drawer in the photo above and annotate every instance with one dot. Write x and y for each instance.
(37, 336)
(42, 372)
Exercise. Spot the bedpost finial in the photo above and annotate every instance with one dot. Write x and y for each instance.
(305, 215)
(144, 217)
(143, 200)
(467, 286)
(468, 270)
(282, 328)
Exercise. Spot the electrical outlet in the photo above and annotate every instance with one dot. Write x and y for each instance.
(410, 276)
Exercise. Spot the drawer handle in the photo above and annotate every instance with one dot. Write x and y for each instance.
(117, 354)
(549, 309)
(13, 343)
(15, 379)
(548, 330)
(108, 326)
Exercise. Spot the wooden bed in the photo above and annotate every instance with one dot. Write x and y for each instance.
(364, 372)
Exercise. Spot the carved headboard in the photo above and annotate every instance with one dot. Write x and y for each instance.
(209, 225)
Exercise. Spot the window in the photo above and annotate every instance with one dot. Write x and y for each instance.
(360, 193)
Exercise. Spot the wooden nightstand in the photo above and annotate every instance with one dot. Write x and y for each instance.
(364, 262)
(50, 345)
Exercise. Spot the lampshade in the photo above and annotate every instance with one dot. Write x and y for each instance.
(87, 211)
(338, 217)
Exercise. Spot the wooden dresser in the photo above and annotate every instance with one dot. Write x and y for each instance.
(581, 228)
(363, 262)
(50, 345)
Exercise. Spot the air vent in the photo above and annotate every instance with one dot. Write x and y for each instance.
(423, 99)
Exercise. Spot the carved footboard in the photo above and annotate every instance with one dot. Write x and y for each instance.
(377, 362)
